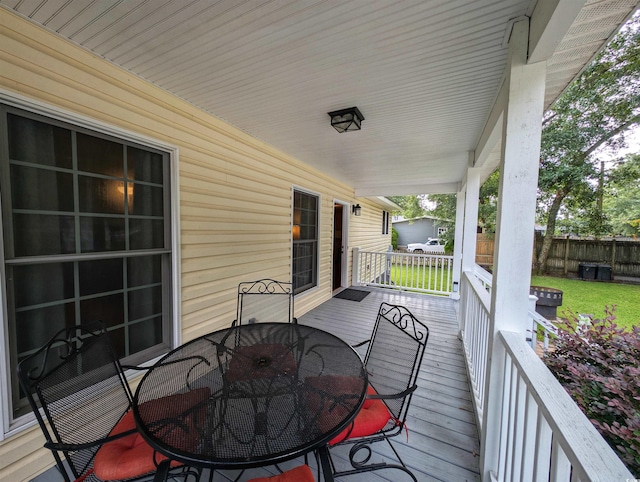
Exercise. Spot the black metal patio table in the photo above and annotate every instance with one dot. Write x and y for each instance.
(250, 396)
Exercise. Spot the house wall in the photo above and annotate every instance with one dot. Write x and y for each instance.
(417, 231)
(235, 192)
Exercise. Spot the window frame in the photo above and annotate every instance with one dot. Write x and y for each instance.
(385, 222)
(316, 280)
(8, 425)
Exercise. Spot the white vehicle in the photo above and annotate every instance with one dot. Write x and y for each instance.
(433, 245)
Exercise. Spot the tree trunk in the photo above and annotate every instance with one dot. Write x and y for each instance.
(541, 264)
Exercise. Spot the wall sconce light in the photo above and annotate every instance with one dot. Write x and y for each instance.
(346, 120)
(356, 210)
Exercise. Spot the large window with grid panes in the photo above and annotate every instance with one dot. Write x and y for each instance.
(305, 241)
(86, 236)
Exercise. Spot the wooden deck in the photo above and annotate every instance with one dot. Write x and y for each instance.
(442, 436)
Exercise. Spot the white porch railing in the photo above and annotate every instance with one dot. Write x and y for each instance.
(422, 273)
(543, 435)
(475, 303)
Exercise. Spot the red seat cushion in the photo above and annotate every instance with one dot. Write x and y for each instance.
(372, 417)
(299, 474)
(131, 456)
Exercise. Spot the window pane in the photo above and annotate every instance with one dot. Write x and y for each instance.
(118, 340)
(145, 334)
(146, 233)
(100, 195)
(144, 165)
(41, 189)
(100, 276)
(100, 155)
(145, 302)
(146, 200)
(143, 270)
(35, 327)
(108, 309)
(101, 234)
(42, 234)
(42, 283)
(38, 143)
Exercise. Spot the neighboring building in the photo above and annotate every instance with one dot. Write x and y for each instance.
(418, 230)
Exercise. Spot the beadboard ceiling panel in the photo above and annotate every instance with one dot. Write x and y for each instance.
(424, 73)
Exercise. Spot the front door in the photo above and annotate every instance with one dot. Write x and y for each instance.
(338, 246)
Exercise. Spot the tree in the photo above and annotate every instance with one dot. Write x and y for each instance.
(597, 109)
(411, 205)
(622, 200)
(445, 206)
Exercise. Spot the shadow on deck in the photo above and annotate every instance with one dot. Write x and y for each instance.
(442, 440)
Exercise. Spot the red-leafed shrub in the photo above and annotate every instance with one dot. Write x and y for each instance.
(598, 363)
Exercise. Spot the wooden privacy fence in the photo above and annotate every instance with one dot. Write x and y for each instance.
(568, 253)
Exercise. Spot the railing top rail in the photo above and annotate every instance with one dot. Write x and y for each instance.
(483, 274)
(395, 253)
(587, 451)
(479, 289)
(542, 321)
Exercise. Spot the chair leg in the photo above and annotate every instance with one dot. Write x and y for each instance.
(324, 461)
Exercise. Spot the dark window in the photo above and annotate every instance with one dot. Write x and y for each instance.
(305, 241)
(86, 236)
(385, 222)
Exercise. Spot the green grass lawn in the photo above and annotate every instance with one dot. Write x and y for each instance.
(591, 297)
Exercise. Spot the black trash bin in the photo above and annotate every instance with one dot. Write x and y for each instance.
(604, 272)
(587, 271)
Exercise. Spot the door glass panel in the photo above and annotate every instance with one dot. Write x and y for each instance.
(38, 143)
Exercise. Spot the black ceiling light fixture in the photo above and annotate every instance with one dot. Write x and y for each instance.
(346, 120)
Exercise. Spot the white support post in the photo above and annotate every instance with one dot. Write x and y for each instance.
(470, 232)
(514, 228)
(457, 245)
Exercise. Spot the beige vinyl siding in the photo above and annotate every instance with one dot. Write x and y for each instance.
(235, 191)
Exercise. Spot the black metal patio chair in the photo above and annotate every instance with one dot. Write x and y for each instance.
(78, 391)
(264, 300)
(393, 359)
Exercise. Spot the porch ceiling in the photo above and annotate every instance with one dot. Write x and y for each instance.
(424, 73)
